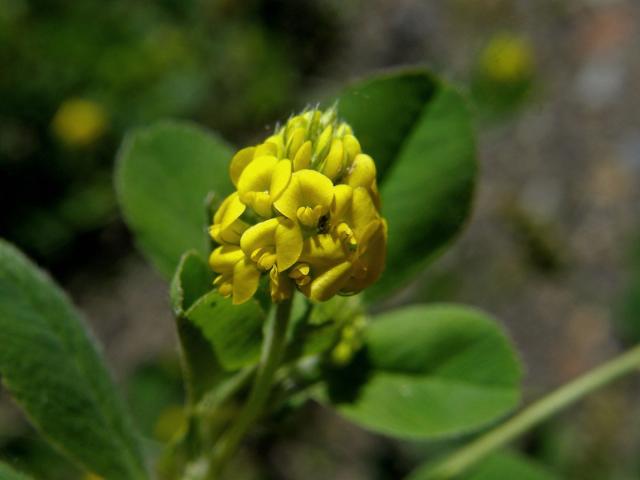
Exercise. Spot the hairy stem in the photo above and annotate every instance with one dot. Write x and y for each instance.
(272, 352)
(462, 459)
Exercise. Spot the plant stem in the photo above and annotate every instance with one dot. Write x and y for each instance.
(461, 460)
(272, 352)
(226, 390)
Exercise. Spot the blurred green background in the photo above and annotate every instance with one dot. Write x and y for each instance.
(552, 248)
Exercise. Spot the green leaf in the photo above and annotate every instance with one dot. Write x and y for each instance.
(192, 280)
(499, 466)
(504, 465)
(235, 331)
(383, 111)
(419, 132)
(430, 371)
(50, 365)
(627, 310)
(8, 473)
(164, 173)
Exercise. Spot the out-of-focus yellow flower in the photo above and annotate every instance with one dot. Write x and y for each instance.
(507, 58)
(350, 341)
(79, 122)
(92, 476)
(306, 213)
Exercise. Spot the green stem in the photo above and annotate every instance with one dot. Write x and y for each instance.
(272, 352)
(226, 390)
(461, 460)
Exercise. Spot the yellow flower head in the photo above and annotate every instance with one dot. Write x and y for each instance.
(306, 214)
(79, 122)
(507, 58)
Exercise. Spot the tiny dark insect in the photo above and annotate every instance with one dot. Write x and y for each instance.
(323, 224)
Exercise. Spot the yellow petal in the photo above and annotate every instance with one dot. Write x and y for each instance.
(368, 232)
(217, 217)
(256, 177)
(313, 116)
(238, 163)
(296, 139)
(267, 148)
(278, 141)
(369, 266)
(307, 188)
(289, 242)
(259, 236)
(308, 216)
(316, 188)
(334, 162)
(324, 142)
(266, 261)
(300, 271)
(323, 250)
(344, 232)
(280, 179)
(299, 121)
(342, 198)
(291, 199)
(231, 234)
(352, 147)
(245, 280)
(232, 211)
(343, 130)
(302, 159)
(362, 172)
(223, 258)
(226, 290)
(329, 283)
(363, 211)
(261, 203)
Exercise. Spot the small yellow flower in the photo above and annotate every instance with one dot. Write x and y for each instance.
(306, 212)
(227, 227)
(79, 122)
(507, 58)
(92, 476)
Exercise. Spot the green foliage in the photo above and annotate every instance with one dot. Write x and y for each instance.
(316, 329)
(432, 371)
(8, 473)
(200, 364)
(51, 367)
(193, 279)
(505, 465)
(499, 466)
(163, 176)
(420, 134)
(627, 312)
(235, 331)
(384, 110)
(509, 465)
(152, 390)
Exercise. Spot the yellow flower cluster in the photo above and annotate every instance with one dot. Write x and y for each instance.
(306, 211)
(79, 122)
